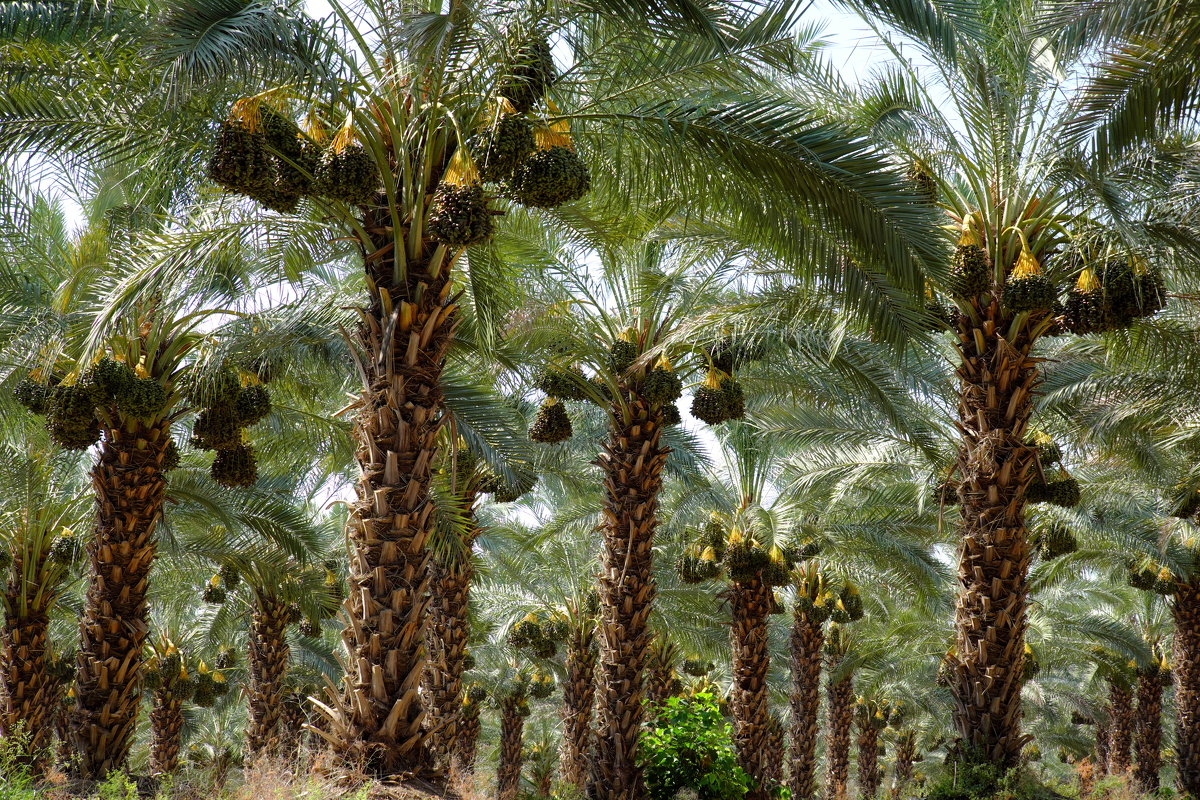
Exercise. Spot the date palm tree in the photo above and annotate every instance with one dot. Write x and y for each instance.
(1002, 166)
(44, 505)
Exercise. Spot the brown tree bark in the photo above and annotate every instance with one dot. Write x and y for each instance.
(1185, 607)
(468, 738)
(661, 679)
(1120, 727)
(997, 378)
(751, 604)
(841, 719)
(1147, 745)
(807, 643)
(129, 487)
(166, 731)
(906, 754)
(1087, 777)
(1101, 749)
(29, 696)
(404, 334)
(268, 666)
(632, 459)
(579, 694)
(446, 638)
(512, 744)
(868, 762)
(773, 756)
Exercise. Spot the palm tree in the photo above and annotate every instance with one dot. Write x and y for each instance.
(840, 711)
(871, 716)
(1147, 744)
(1023, 232)
(807, 650)
(117, 366)
(44, 504)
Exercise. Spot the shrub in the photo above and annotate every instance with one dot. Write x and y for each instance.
(690, 746)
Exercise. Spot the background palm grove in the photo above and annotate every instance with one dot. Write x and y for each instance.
(599, 399)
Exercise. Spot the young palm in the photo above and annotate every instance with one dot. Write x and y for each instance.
(45, 503)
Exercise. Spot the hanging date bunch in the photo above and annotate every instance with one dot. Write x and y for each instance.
(227, 407)
(1112, 290)
(534, 161)
(261, 153)
(107, 394)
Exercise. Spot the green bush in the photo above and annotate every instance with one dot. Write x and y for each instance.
(690, 746)
(978, 780)
(15, 780)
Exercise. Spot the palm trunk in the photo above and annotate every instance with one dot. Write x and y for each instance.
(292, 720)
(543, 786)
(1101, 750)
(773, 756)
(446, 640)
(660, 674)
(29, 696)
(268, 666)
(512, 725)
(166, 731)
(468, 739)
(906, 754)
(1147, 746)
(1185, 607)
(405, 333)
(1120, 728)
(1087, 777)
(807, 642)
(579, 694)
(632, 461)
(751, 602)
(868, 762)
(841, 720)
(997, 379)
(129, 487)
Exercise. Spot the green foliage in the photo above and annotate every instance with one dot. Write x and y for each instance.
(117, 786)
(15, 781)
(980, 780)
(690, 746)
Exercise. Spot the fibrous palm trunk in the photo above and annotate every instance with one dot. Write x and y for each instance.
(446, 639)
(1185, 607)
(906, 754)
(1101, 749)
(508, 773)
(468, 739)
(751, 604)
(997, 379)
(1147, 744)
(292, 720)
(404, 334)
(129, 487)
(1120, 727)
(838, 729)
(773, 756)
(660, 674)
(268, 665)
(807, 642)
(632, 460)
(29, 696)
(1087, 777)
(868, 762)
(579, 694)
(166, 731)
